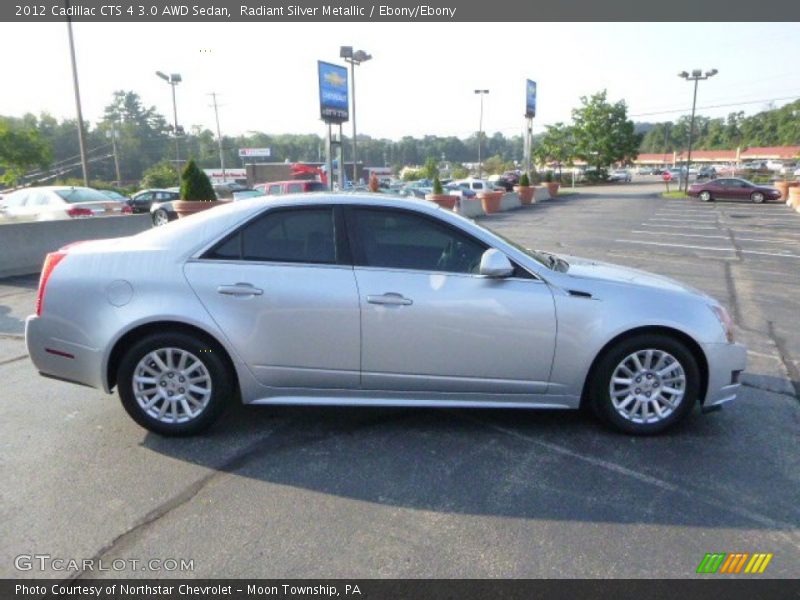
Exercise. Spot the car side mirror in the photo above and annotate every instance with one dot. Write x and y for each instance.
(495, 264)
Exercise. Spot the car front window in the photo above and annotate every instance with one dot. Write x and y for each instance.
(404, 240)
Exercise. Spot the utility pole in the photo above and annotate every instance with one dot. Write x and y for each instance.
(81, 132)
(114, 148)
(219, 136)
(481, 93)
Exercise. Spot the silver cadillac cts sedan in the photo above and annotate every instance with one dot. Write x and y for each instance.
(371, 300)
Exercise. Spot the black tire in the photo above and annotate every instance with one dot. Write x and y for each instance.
(599, 385)
(221, 382)
(705, 196)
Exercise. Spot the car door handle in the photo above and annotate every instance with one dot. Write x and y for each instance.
(239, 289)
(390, 298)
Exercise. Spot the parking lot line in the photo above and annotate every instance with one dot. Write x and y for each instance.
(770, 253)
(681, 226)
(673, 233)
(691, 247)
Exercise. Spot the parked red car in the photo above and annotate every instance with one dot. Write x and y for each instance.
(295, 186)
(733, 189)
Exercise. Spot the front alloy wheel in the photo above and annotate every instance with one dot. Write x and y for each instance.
(645, 384)
(160, 217)
(757, 197)
(174, 383)
(705, 196)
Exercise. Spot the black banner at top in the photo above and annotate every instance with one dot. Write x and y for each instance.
(413, 11)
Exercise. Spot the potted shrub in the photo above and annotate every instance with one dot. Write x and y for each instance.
(374, 184)
(525, 190)
(197, 194)
(552, 186)
(444, 200)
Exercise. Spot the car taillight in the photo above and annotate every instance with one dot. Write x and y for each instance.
(50, 262)
(126, 210)
(76, 211)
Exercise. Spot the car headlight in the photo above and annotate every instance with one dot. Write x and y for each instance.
(724, 319)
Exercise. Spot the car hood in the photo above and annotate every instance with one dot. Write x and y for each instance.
(588, 269)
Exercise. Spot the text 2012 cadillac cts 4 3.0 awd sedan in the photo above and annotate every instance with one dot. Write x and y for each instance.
(376, 301)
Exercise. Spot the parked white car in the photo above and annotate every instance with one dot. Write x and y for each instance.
(53, 203)
(476, 185)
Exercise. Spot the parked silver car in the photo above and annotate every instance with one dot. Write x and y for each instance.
(371, 301)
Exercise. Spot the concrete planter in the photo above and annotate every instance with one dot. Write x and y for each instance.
(510, 201)
(186, 208)
(490, 201)
(794, 197)
(444, 200)
(552, 187)
(469, 207)
(526, 193)
(783, 188)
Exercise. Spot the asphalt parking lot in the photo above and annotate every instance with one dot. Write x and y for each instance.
(336, 492)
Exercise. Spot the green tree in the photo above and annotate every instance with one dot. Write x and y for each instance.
(556, 145)
(603, 133)
(431, 168)
(195, 184)
(160, 175)
(21, 149)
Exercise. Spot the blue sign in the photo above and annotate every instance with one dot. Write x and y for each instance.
(530, 99)
(334, 101)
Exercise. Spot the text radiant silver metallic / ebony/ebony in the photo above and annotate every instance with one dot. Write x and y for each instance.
(377, 301)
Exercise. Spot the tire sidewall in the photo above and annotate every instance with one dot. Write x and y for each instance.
(601, 377)
(221, 382)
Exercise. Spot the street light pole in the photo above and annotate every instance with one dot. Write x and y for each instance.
(219, 137)
(173, 80)
(81, 132)
(696, 75)
(481, 93)
(355, 59)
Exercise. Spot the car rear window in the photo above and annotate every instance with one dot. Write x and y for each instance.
(74, 195)
(316, 186)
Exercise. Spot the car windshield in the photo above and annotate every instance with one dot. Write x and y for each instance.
(317, 186)
(247, 194)
(73, 195)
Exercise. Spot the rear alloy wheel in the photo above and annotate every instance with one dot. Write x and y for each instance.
(160, 217)
(705, 196)
(646, 384)
(174, 384)
(757, 197)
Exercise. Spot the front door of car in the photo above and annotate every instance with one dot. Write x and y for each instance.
(430, 322)
(284, 294)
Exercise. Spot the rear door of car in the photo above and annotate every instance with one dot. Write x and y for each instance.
(283, 291)
(431, 323)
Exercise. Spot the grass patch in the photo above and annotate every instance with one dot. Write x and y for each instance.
(674, 194)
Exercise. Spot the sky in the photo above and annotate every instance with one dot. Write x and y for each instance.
(420, 81)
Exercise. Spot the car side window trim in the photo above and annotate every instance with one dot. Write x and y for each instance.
(342, 247)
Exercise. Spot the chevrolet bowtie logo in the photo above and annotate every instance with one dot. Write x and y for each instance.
(334, 79)
(734, 563)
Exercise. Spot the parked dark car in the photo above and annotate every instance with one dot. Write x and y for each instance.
(505, 183)
(733, 189)
(142, 201)
(707, 173)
